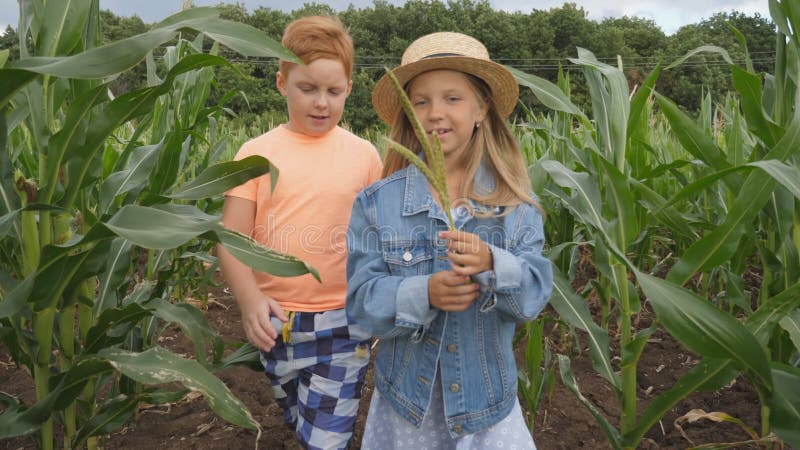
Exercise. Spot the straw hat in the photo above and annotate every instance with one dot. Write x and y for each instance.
(446, 50)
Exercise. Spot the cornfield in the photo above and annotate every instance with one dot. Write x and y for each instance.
(109, 210)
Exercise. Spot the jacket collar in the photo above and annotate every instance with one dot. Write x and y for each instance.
(418, 196)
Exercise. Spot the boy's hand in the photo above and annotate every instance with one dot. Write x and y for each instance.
(449, 291)
(256, 324)
(468, 254)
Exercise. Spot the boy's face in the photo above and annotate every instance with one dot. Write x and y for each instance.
(315, 95)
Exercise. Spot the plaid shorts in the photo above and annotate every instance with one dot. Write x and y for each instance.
(317, 376)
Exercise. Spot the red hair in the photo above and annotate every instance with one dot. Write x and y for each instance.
(317, 37)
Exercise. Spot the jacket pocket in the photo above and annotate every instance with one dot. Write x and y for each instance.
(409, 258)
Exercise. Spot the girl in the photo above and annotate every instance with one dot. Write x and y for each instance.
(445, 303)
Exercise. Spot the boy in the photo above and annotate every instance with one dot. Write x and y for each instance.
(316, 360)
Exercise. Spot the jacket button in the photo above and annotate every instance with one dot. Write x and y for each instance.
(457, 428)
(407, 256)
(452, 348)
(454, 387)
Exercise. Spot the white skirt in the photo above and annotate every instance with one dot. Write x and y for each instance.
(387, 430)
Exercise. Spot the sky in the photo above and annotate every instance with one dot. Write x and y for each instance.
(669, 15)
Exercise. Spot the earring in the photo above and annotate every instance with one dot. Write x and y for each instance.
(477, 125)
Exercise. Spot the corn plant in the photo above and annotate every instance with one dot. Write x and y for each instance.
(615, 196)
(72, 208)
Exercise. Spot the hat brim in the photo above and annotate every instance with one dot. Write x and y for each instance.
(504, 87)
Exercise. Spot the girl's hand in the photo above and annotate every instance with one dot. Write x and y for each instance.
(449, 291)
(468, 254)
(256, 323)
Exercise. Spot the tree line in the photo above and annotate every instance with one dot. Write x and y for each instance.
(538, 42)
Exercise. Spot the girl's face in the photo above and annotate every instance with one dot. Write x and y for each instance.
(315, 95)
(446, 103)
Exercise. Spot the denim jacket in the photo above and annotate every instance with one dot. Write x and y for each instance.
(393, 249)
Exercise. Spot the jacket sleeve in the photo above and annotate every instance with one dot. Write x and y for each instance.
(384, 305)
(521, 281)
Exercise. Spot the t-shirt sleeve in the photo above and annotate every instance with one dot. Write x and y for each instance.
(249, 189)
(375, 167)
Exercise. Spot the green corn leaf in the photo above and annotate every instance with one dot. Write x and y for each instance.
(221, 177)
(637, 121)
(99, 62)
(117, 266)
(7, 222)
(62, 26)
(786, 175)
(159, 228)
(779, 17)
(585, 200)
(791, 324)
(625, 227)
(613, 111)
(720, 244)
(117, 112)
(784, 418)
(4, 57)
(111, 327)
(666, 215)
(713, 373)
(750, 92)
(695, 140)
(140, 166)
(703, 328)
(158, 366)
(261, 258)
(12, 81)
(569, 381)
(246, 355)
(547, 93)
(16, 299)
(109, 417)
(241, 38)
(703, 49)
(193, 324)
(573, 310)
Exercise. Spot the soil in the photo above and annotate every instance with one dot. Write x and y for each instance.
(561, 421)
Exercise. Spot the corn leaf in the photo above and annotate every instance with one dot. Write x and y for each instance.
(140, 166)
(118, 263)
(720, 244)
(157, 366)
(784, 417)
(573, 309)
(547, 93)
(221, 177)
(569, 381)
(703, 328)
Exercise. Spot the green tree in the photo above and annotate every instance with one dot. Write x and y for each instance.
(9, 41)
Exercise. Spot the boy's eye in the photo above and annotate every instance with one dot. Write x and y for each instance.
(307, 88)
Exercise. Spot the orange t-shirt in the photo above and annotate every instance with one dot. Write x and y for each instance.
(307, 214)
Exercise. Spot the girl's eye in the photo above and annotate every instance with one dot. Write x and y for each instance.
(419, 102)
(453, 98)
(306, 88)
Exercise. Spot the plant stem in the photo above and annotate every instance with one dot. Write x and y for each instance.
(628, 419)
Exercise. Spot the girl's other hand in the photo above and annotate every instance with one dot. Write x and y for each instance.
(467, 252)
(450, 291)
(256, 323)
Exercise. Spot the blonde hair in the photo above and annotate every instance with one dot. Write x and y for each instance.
(317, 37)
(492, 142)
